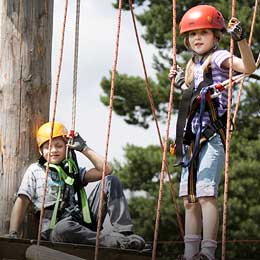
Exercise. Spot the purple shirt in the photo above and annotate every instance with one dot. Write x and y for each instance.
(218, 75)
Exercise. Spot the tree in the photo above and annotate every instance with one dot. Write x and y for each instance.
(156, 17)
(141, 169)
(26, 34)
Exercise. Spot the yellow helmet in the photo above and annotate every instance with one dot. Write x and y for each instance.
(44, 132)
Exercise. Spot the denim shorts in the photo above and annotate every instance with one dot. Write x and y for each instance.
(210, 167)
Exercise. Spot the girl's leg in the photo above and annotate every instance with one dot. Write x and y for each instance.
(210, 226)
(209, 217)
(193, 225)
(212, 157)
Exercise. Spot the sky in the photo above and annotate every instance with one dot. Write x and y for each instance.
(98, 25)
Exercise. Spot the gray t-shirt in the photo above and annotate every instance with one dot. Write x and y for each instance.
(32, 186)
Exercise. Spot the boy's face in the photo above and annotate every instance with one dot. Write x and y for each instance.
(58, 150)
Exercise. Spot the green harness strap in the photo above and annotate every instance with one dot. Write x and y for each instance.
(83, 195)
(70, 181)
(62, 174)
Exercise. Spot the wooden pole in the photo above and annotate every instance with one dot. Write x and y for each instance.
(25, 82)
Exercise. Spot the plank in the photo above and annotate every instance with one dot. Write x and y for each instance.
(16, 249)
(35, 252)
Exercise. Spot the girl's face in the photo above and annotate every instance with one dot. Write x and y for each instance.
(57, 152)
(201, 41)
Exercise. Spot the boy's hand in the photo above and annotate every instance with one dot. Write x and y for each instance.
(235, 29)
(79, 144)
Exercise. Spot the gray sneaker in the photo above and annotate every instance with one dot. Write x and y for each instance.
(114, 239)
(135, 242)
(200, 256)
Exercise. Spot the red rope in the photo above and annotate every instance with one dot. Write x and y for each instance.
(108, 130)
(249, 43)
(53, 120)
(235, 241)
(156, 120)
(165, 148)
(228, 137)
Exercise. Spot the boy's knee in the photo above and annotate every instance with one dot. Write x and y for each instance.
(113, 183)
(62, 230)
(114, 180)
(114, 186)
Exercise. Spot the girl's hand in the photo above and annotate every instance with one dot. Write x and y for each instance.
(235, 29)
(179, 76)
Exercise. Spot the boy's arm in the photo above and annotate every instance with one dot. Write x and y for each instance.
(94, 174)
(18, 213)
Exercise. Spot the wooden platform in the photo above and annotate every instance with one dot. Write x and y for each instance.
(11, 249)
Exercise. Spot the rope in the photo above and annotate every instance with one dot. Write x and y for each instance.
(235, 241)
(75, 76)
(249, 43)
(228, 137)
(75, 69)
(166, 139)
(53, 120)
(156, 121)
(108, 129)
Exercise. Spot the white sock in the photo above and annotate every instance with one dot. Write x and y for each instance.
(192, 245)
(208, 248)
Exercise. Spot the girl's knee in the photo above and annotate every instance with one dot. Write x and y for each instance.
(207, 200)
(188, 205)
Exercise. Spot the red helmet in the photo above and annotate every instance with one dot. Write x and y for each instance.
(202, 17)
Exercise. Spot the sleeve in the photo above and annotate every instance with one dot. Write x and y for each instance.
(82, 172)
(220, 56)
(28, 184)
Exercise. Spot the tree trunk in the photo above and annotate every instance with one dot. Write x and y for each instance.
(25, 82)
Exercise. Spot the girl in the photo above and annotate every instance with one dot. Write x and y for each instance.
(201, 122)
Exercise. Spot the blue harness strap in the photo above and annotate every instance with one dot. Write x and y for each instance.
(202, 106)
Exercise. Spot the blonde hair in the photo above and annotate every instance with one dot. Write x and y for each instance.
(189, 72)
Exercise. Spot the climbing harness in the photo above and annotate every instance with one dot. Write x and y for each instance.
(62, 177)
(194, 101)
(71, 181)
